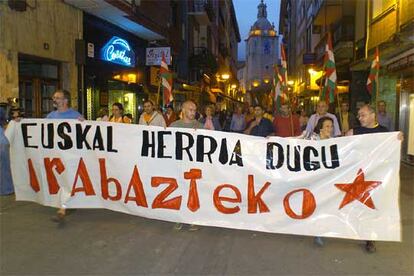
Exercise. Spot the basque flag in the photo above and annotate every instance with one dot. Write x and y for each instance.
(372, 82)
(280, 80)
(166, 81)
(329, 88)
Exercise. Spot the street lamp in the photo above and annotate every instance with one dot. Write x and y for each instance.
(225, 76)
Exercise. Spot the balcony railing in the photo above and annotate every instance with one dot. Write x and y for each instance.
(202, 58)
(343, 30)
(201, 7)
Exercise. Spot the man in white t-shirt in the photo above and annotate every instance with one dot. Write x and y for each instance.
(322, 111)
(150, 116)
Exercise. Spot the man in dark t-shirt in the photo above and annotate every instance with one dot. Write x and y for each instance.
(369, 124)
(260, 126)
(368, 120)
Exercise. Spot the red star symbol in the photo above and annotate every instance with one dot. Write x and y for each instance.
(359, 189)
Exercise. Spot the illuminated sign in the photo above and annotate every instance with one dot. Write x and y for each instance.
(154, 56)
(118, 51)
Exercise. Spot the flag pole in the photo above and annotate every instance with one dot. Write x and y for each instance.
(377, 92)
(291, 114)
(339, 110)
(377, 79)
(158, 93)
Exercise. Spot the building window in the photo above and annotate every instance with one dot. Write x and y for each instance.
(38, 80)
(308, 39)
(174, 14)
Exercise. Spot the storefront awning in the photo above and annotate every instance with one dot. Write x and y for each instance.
(116, 16)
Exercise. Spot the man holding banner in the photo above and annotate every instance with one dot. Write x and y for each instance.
(188, 120)
(61, 101)
(369, 124)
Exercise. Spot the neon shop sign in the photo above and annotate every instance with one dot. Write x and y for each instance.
(117, 50)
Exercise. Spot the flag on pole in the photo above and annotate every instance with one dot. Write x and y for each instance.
(372, 82)
(166, 81)
(329, 88)
(280, 80)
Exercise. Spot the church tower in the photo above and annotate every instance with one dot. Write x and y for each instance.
(262, 52)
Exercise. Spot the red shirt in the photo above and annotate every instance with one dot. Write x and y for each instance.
(282, 126)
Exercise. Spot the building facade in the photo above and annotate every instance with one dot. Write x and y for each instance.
(390, 28)
(262, 54)
(46, 45)
(357, 29)
(37, 53)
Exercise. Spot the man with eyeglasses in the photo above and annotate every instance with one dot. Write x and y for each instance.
(369, 124)
(61, 101)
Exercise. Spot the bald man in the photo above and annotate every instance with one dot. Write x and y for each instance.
(189, 109)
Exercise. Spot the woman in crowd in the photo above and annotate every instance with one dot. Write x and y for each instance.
(209, 121)
(118, 114)
(323, 130)
(103, 114)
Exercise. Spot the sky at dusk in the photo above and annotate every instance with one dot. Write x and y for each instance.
(246, 13)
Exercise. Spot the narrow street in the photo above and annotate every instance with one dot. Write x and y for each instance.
(101, 242)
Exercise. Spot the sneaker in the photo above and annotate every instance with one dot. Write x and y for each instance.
(370, 247)
(318, 241)
(178, 226)
(194, 227)
(58, 218)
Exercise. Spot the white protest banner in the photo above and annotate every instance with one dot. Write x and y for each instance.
(345, 187)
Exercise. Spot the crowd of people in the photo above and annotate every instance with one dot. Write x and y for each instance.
(250, 120)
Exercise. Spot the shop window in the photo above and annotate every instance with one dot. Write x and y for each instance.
(126, 94)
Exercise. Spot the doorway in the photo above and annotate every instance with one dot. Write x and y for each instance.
(38, 80)
(405, 88)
